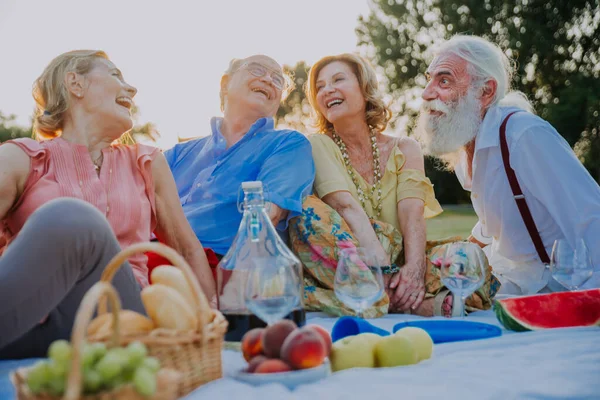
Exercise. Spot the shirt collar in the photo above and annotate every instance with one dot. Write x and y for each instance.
(488, 135)
(260, 125)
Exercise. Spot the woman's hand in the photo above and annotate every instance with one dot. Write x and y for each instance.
(407, 287)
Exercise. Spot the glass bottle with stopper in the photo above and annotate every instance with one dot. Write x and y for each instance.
(259, 280)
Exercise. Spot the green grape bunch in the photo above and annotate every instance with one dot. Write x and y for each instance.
(103, 369)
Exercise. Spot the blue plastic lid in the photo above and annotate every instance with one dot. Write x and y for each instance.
(443, 331)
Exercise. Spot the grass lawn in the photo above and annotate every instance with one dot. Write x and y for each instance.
(455, 220)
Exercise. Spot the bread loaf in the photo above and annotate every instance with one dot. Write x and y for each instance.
(174, 278)
(167, 308)
(130, 322)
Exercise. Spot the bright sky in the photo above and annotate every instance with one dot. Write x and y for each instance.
(173, 51)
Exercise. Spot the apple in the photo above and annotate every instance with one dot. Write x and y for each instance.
(354, 352)
(395, 350)
(420, 339)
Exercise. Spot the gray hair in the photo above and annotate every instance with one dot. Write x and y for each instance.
(487, 61)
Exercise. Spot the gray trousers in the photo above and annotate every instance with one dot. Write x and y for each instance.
(58, 255)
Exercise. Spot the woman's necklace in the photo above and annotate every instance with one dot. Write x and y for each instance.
(98, 163)
(376, 189)
(97, 166)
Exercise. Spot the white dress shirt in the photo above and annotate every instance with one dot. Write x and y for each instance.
(563, 198)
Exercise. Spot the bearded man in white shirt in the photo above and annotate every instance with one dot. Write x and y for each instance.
(466, 103)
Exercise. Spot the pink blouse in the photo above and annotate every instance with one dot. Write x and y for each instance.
(123, 192)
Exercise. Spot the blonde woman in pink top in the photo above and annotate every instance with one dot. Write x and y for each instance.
(70, 202)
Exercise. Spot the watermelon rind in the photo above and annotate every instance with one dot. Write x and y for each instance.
(506, 320)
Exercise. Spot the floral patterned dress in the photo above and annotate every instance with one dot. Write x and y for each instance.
(320, 232)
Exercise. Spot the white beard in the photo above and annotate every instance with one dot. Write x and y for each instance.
(445, 135)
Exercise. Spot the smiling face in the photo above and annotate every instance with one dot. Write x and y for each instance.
(452, 110)
(107, 96)
(255, 87)
(338, 92)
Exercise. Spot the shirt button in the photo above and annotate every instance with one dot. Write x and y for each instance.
(474, 195)
(198, 185)
(80, 183)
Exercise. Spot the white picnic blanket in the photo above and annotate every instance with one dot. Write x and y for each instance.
(550, 364)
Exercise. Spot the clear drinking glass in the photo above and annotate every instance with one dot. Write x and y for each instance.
(461, 272)
(272, 289)
(570, 267)
(358, 279)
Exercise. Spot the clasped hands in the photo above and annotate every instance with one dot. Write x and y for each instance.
(406, 288)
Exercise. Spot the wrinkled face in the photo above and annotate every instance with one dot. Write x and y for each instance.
(338, 92)
(108, 97)
(256, 87)
(451, 112)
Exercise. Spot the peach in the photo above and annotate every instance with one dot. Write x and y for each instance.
(255, 362)
(272, 365)
(304, 348)
(275, 335)
(324, 335)
(252, 343)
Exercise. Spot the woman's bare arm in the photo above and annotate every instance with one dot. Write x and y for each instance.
(409, 283)
(359, 223)
(173, 228)
(14, 170)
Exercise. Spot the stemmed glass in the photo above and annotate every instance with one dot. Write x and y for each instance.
(273, 289)
(358, 281)
(462, 272)
(570, 267)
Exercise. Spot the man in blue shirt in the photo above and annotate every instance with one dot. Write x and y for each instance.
(243, 146)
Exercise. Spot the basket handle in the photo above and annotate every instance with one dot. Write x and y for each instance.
(202, 307)
(82, 319)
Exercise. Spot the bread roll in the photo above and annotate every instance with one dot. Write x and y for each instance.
(174, 278)
(167, 308)
(131, 323)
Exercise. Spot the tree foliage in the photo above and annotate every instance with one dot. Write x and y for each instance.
(294, 112)
(555, 44)
(9, 130)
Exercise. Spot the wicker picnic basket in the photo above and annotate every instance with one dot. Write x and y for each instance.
(196, 354)
(167, 379)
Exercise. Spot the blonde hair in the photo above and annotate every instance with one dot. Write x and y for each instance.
(50, 92)
(377, 114)
(236, 63)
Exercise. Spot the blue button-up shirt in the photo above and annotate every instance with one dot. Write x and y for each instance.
(209, 177)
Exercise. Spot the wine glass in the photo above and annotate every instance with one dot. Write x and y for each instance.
(273, 288)
(358, 279)
(570, 267)
(462, 272)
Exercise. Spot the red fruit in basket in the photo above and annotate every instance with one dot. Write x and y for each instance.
(272, 365)
(275, 335)
(304, 348)
(255, 362)
(324, 335)
(252, 343)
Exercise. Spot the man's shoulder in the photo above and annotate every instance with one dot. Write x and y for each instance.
(523, 123)
(287, 136)
(180, 150)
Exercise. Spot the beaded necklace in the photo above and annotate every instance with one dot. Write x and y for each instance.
(376, 188)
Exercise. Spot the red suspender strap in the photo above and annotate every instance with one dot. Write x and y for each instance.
(518, 196)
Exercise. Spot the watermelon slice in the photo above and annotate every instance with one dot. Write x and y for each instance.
(552, 310)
